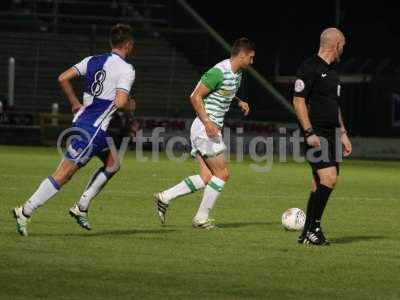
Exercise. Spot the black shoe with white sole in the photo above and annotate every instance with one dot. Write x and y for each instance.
(316, 237)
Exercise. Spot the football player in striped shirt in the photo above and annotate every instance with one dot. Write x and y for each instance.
(108, 80)
(211, 100)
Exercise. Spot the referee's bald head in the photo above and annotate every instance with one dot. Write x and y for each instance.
(332, 41)
(330, 37)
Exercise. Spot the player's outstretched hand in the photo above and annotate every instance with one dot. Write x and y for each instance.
(211, 130)
(346, 144)
(244, 107)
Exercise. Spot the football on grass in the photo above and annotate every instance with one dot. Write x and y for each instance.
(293, 219)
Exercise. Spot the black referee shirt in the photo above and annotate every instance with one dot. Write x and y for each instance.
(318, 83)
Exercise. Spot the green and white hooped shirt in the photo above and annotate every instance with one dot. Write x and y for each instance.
(223, 85)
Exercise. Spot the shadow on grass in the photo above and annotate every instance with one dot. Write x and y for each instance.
(246, 224)
(354, 239)
(109, 232)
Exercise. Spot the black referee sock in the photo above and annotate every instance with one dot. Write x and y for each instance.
(321, 198)
(309, 212)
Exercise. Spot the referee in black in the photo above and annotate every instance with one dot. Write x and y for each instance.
(316, 102)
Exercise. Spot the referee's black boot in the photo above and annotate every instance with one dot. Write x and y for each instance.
(316, 237)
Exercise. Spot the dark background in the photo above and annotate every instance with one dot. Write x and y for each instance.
(292, 28)
(285, 32)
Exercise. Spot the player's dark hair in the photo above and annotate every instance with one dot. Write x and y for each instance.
(242, 44)
(120, 34)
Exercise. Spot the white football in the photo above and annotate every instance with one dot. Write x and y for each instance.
(293, 219)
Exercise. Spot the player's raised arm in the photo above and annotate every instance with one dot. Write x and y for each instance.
(196, 98)
(65, 82)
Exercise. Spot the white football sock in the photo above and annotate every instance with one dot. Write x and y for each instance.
(211, 193)
(187, 186)
(96, 183)
(47, 189)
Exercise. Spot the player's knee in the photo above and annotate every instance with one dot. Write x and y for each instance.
(113, 169)
(329, 180)
(223, 174)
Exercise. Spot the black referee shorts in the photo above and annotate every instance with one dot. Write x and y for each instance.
(330, 153)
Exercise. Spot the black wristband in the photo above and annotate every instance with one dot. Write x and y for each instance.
(308, 132)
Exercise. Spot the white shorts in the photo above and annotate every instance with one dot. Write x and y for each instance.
(202, 144)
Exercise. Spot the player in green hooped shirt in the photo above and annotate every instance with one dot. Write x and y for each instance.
(211, 100)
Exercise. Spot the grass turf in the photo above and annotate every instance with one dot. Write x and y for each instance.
(128, 255)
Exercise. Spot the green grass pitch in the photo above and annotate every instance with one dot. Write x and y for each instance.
(128, 255)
